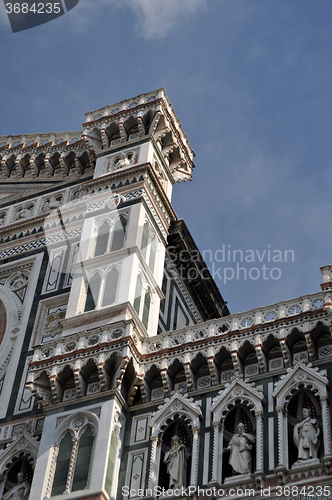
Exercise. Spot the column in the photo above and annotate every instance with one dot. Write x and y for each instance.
(216, 429)
(52, 471)
(259, 441)
(326, 427)
(194, 463)
(71, 469)
(280, 413)
(153, 465)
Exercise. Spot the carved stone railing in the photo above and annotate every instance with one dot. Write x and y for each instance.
(71, 345)
(240, 325)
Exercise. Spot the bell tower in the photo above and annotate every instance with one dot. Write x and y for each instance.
(141, 152)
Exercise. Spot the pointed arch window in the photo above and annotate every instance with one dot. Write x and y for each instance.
(145, 239)
(111, 463)
(102, 239)
(73, 463)
(138, 294)
(102, 290)
(146, 308)
(110, 287)
(83, 460)
(62, 465)
(92, 293)
(149, 246)
(153, 250)
(142, 307)
(119, 234)
(108, 240)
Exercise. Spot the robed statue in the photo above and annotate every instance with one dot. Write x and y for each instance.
(20, 491)
(306, 436)
(176, 462)
(240, 447)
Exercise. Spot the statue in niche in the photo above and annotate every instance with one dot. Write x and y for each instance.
(20, 491)
(176, 460)
(306, 435)
(240, 447)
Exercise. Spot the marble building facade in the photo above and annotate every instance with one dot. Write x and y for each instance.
(120, 375)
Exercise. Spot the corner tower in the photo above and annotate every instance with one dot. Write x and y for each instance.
(141, 152)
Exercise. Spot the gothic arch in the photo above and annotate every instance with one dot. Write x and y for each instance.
(24, 448)
(40, 388)
(153, 381)
(76, 425)
(301, 377)
(177, 407)
(236, 393)
(176, 372)
(103, 230)
(25, 445)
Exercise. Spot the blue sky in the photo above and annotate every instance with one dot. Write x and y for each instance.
(250, 81)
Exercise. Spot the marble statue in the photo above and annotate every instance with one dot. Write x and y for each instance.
(176, 461)
(20, 491)
(240, 447)
(306, 436)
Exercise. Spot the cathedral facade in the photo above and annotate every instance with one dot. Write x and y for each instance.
(122, 372)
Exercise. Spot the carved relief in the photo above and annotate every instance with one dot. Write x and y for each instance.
(52, 325)
(49, 318)
(24, 211)
(78, 193)
(52, 202)
(113, 201)
(121, 160)
(2, 218)
(18, 280)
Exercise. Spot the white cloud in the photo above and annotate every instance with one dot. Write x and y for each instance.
(156, 18)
